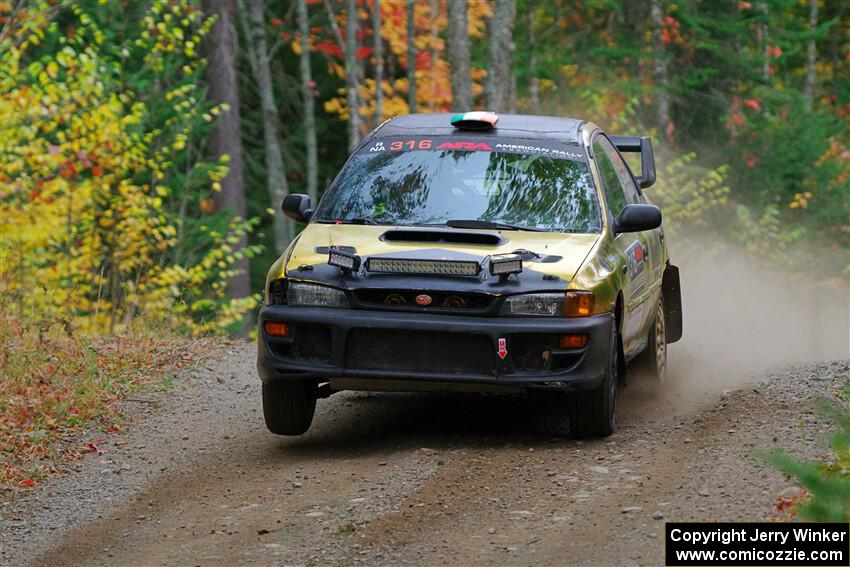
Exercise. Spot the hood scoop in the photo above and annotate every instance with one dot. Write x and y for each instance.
(443, 236)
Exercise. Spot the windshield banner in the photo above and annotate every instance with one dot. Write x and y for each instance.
(549, 148)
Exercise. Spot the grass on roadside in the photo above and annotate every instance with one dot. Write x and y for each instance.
(55, 383)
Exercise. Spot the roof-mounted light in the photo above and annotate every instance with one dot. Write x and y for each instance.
(475, 120)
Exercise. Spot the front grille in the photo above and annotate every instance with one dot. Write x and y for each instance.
(422, 351)
(440, 300)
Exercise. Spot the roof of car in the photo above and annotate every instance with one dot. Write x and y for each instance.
(524, 126)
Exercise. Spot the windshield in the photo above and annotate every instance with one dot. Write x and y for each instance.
(417, 186)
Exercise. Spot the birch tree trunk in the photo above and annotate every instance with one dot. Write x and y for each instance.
(458, 52)
(378, 48)
(764, 41)
(307, 89)
(275, 169)
(499, 82)
(659, 69)
(811, 56)
(411, 56)
(351, 75)
(434, 14)
(533, 84)
(223, 88)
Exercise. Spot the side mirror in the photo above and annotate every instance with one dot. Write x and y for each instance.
(637, 218)
(297, 207)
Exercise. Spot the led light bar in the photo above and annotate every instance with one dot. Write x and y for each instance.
(343, 260)
(429, 267)
(505, 265)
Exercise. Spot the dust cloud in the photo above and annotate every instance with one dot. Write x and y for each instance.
(740, 320)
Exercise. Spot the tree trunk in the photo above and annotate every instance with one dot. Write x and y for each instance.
(307, 90)
(275, 169)
(499, 82)
(458, 51)
(378, 48)
(223, 88)
(533, 84)
(659, 70)
(764, 41)
(434, 14)
(811, 55)
(351, 75)
(411, 56)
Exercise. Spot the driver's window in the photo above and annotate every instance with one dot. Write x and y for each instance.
(614, 195)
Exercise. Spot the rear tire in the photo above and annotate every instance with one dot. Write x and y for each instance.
(656, 347)
(289, 405)
(593, 411)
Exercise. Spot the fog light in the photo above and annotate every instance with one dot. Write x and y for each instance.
(573, 341)
(276, 328)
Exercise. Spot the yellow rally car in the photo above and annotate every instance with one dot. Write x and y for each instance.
(472, 252)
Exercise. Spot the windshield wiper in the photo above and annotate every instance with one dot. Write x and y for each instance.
(477, 223)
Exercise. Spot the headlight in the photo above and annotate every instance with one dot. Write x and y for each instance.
(276, 293)
(545, 304)
(569, 304)
(315, 295)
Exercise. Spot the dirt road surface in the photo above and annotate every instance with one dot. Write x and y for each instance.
(434, 479)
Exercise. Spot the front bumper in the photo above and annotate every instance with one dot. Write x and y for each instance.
(325, 343)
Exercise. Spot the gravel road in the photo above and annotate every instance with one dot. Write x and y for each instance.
(413, 479)
(462, 479)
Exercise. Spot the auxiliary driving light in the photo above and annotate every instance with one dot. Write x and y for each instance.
(343, 260)
(573, 341)
(505, 266)
(276, 329)
(428, 267)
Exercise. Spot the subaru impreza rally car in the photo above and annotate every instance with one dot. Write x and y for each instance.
(472, 252)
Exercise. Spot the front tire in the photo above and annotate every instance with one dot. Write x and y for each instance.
(289, 405)
(593, 411)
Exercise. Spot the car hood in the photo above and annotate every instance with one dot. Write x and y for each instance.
(557, 253)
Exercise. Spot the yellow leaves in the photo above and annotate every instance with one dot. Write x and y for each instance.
(801, 200)
(84, 181)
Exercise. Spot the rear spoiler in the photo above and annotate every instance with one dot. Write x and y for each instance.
(642, 144)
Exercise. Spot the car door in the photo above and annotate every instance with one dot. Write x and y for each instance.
(620, 190)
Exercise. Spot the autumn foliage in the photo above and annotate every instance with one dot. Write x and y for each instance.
(102, 184)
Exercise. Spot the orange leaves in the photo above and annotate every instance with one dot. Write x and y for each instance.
(207, 206)
(329, 48)
(670, 31)
(751, 160)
